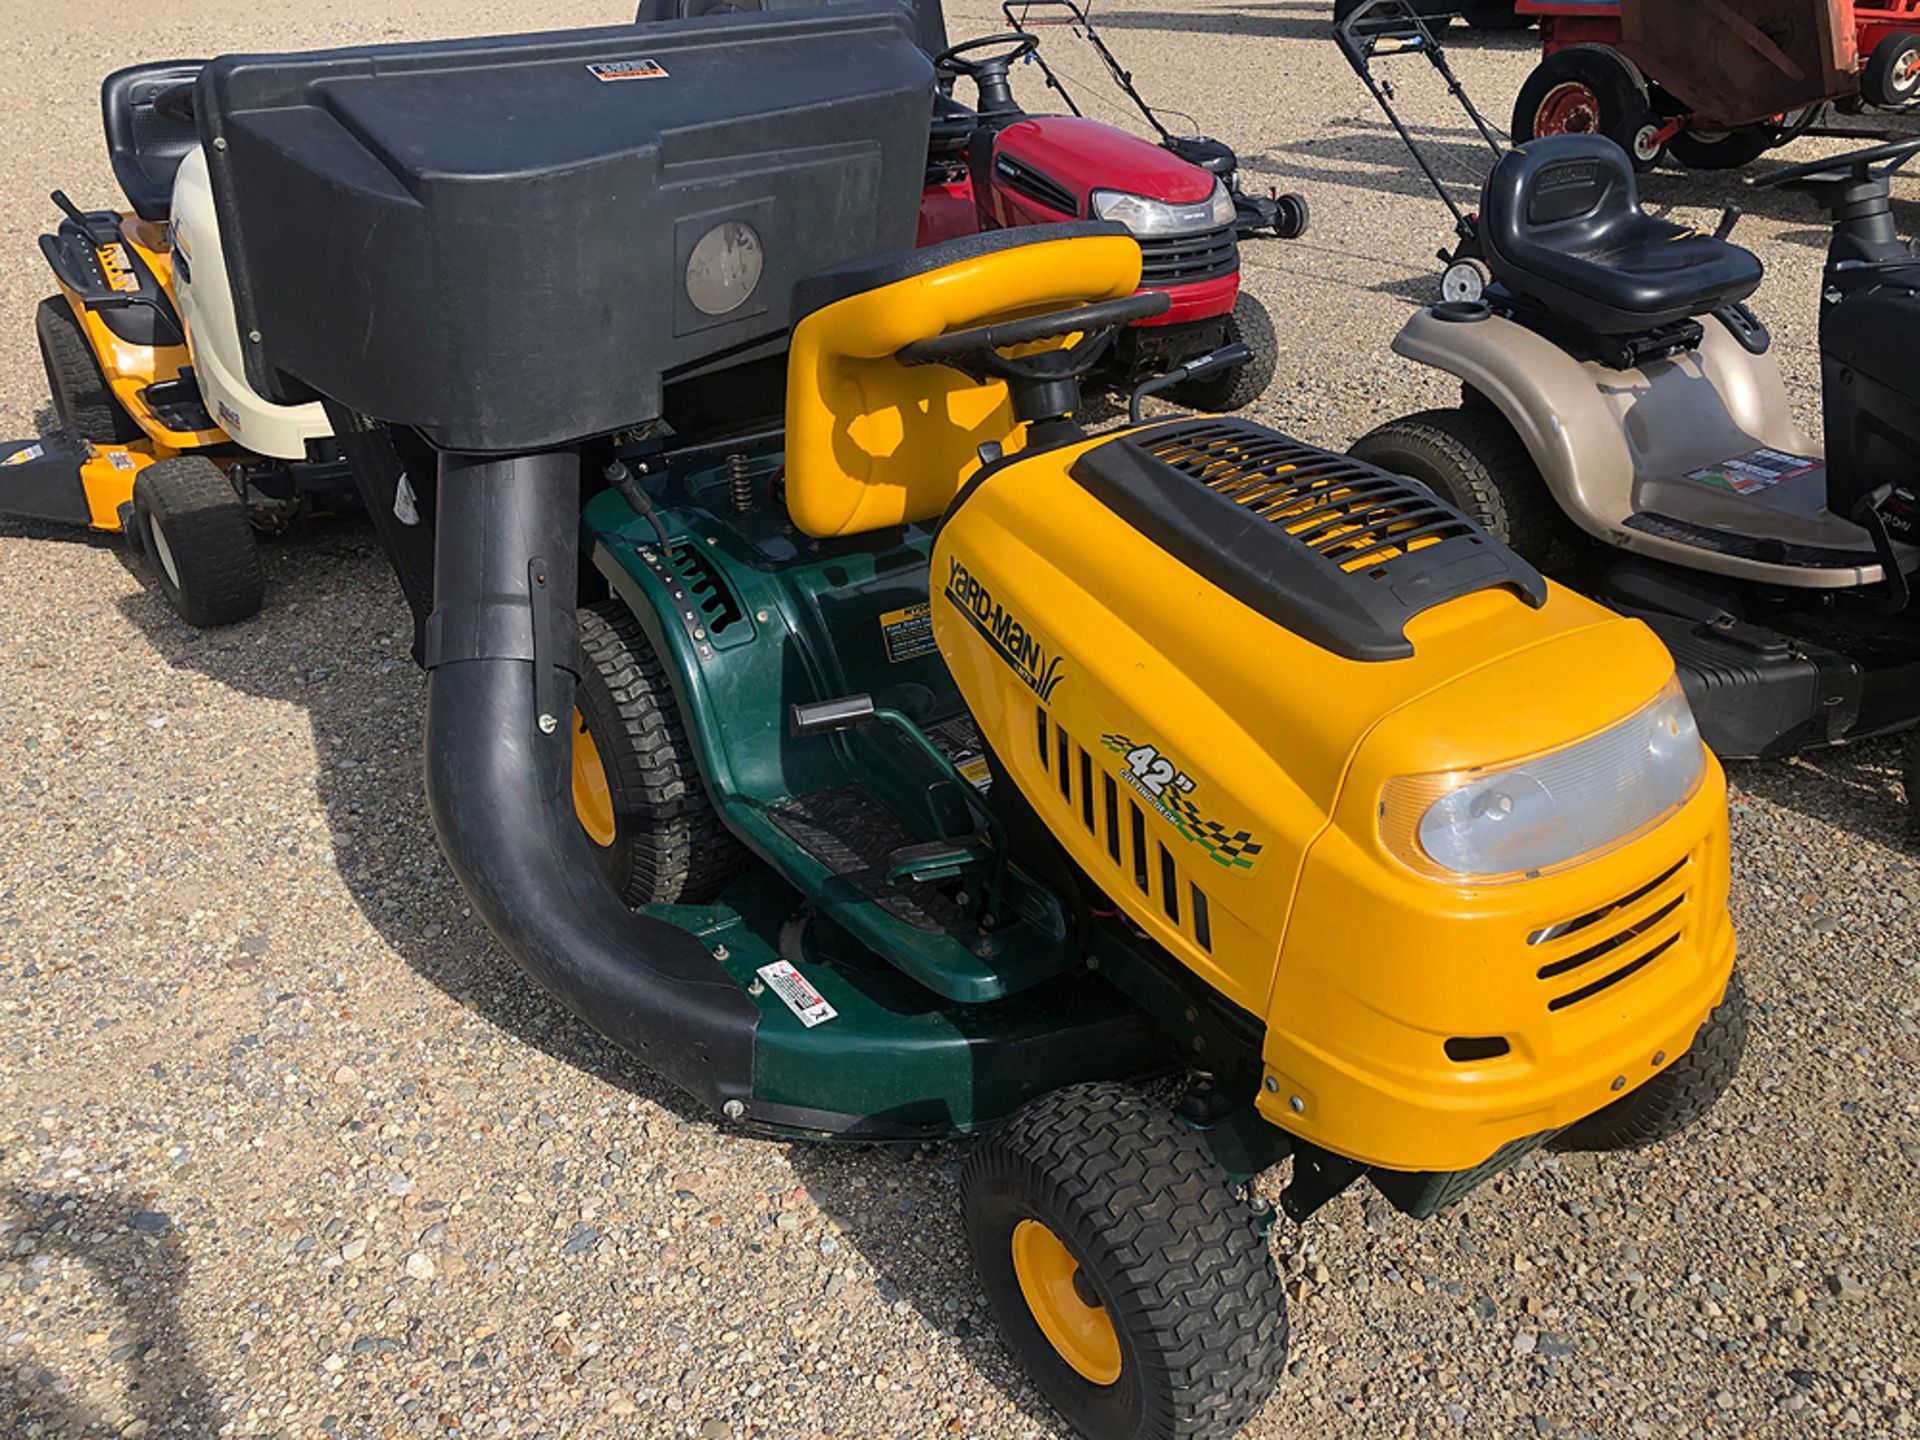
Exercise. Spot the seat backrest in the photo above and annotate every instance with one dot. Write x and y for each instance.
(872, 443)
(1572, 195)
(144, 145)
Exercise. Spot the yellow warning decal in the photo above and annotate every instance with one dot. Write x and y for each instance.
(908, 633)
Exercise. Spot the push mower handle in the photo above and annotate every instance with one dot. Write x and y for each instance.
(1026, 7)
(979, 348)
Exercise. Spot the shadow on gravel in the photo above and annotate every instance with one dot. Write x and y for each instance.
(1856, 788)
(899, 1207)
(137, 1269)
(333, 640)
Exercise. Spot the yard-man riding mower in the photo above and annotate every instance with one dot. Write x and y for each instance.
(974, 773)
(1623, 417)
(160, 434)
(992, 166)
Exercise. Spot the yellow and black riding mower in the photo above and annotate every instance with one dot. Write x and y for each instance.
(159, 433)
(962, 774)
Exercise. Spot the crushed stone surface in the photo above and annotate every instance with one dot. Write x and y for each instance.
(289, 1148)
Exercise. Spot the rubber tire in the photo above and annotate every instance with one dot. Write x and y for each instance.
(1292, 216)
(205, 528)
(1492, 15)
(75, 382)
(1251, 326)
(1679, 1095)
(1615, 82)
(1877, 84)
(1438, 14)
(1472, 458)
(1169, 1245)
(669, 844)
(1910, 775)
(1737, 147)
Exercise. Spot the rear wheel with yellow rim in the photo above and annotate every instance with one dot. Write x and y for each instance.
(636, 785)
(1124, 1268)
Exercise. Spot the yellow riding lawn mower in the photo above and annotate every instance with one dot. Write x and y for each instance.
(160, 435)
(816, 709)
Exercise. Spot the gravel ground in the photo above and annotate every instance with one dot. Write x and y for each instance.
(291, 1149)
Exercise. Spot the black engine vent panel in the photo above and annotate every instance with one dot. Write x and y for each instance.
(1336, 550)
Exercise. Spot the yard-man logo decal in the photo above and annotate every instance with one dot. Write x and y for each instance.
(1024, 653)
(1170, 790)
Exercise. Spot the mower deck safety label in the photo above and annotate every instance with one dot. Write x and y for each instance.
(607, 71)
(1754, 471)
(809, 1006)
(908, 633)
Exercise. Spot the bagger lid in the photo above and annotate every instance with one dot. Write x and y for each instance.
(511, 243)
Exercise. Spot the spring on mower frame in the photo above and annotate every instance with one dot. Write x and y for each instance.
(739, 483)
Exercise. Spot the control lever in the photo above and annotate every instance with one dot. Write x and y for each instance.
(1197, 368)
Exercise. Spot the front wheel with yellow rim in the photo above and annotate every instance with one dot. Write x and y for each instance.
(637, 790)
(1123, 1267)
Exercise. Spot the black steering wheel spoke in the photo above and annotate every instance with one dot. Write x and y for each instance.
(1854, 167)
(1044, 384)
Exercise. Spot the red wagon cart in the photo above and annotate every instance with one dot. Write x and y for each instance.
(1714, 83)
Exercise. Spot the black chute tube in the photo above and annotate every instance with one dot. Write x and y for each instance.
(502, 651)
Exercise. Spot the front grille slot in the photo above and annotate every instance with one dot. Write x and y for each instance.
(1608, 981)
(1600, 948)
(1188, 259)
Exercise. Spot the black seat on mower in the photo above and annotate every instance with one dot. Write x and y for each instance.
(145, 146)
(1562, 227)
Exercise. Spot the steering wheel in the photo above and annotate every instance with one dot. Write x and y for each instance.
(1856, 165)
(1043, 384)
(175, 103)
(1018, 46)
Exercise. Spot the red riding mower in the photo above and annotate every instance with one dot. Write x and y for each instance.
(993, 166)
(1709, 86)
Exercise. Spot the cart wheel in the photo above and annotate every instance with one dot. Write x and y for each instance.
(1679, 1095)
(1251, 326)
(75, 381)
(1123, 1267)
(1699, 148)
(1465, 281)
(636, 784)
(1492, 15)
(1892, 77)
(1590, 90)
(194, 528)
(1291, 216)
(1472, 459)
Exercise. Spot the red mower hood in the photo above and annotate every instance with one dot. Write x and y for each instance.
(1085, 156)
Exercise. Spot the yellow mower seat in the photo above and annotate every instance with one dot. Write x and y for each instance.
(872, 443)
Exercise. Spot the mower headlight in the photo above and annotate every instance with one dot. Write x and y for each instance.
(1551, 809)
(1153, 218)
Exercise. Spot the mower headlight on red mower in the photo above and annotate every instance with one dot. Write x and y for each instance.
(1154, 218)
(1527, 817)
